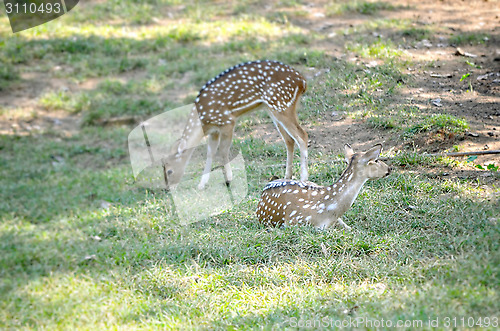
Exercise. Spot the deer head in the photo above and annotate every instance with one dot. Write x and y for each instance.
(366, 165)
(174, 165)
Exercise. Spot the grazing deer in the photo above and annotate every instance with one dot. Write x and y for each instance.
(288, 202)
(224, 99)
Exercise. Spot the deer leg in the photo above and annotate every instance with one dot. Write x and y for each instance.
(290, 143)
(290, 124)
(304, 175)
(300, 136)
(226, 140)
(213, 142)
(347, 227)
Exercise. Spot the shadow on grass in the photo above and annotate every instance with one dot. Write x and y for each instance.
(232, 252)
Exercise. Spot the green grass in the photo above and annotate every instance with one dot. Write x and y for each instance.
(84, 246)
(110, 99)
(381, 122)
(361, 7)
(469, 38)
(438, 121)
(410, 121)
(379, 49)
(65, 256)
(60, 101)
(8, 74)
(417, 33)
(361, 92)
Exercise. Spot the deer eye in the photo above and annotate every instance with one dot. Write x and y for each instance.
(170, 171)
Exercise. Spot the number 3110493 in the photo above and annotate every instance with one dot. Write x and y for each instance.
(33, 8)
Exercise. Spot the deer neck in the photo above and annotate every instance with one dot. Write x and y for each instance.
(193, 131)
(191, 137)
(345, 191)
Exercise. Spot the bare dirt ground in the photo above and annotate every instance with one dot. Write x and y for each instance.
(480, 107)
(436, 73)
(439, 67)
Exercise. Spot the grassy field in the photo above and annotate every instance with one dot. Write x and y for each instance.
(82, 246)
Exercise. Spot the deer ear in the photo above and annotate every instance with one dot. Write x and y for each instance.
(348, 152)
(373, 153)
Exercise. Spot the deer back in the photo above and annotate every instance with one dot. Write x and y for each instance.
(246, 86)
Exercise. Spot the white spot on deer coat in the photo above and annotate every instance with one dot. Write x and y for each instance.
(332, 206)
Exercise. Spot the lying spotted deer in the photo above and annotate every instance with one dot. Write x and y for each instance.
(224, 99)
(288, 202)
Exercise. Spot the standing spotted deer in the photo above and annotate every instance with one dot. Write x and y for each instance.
(288, 202)
(224, 99)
